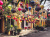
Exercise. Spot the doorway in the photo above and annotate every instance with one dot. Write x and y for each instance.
(0, 25)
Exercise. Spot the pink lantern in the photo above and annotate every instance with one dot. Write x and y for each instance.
(21, 4)
(1, 3)
(25, 27)
(0, 7)
(48, 14)
(16, 19)
(47, 9)
(19, 9)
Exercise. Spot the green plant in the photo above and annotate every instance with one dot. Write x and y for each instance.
(15, 28)
(18, 31)
(11, 27)
(8, 27)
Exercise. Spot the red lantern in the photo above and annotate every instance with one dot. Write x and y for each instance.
(14, 18)
(20, 20)
(39, 16)
(8, 16)
(33, 16)
(19, 9)
(1, 3)
(27, 5)
(21, 4)
(48, 14)
(47, 9)
(0, 7)
(46, 17)
(29, 27)
(25, 27)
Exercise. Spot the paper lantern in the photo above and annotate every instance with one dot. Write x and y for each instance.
(25, 27)
(24, 10)
(19, 9)
(20, 20)
(1, 3)
(8, 16)
(39, 16)
(29, 27)
(9, 6)
(41, 6)
(21, 4)
(48, 14)
(32, 3)
(29, 8)
(13, 10)
(37, 8)
(16, 19)
(43, 11)
(47, 9)
(0, 7)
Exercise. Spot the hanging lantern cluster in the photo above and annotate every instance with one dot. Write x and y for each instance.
(1, 3)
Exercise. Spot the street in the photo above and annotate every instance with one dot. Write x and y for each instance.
(39, 34)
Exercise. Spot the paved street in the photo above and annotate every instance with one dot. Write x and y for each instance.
(39, 34)
(33, 34)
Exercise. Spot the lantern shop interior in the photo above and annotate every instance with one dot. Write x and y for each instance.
(25, 14)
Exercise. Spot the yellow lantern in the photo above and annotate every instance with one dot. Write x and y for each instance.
(41, 6)
(27, 21)
(20, 21)
(26, 18)
(23, 16)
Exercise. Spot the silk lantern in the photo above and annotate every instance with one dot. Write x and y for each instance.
(48, 14)
(19, 9)
(41, 6)
(13, 10)
(47, 9)
(23, 10)
(32, 3)
(29, 8)
(9, 6)
(0, 7)
(37, 8)
(21, 4)
(1, 3)
(8, 16)
(43, 11)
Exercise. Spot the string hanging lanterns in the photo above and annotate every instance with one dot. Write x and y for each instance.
(19, 9)
(13, 10)
(29, 8)
(1, 3)
(38, 8)
(23, 10)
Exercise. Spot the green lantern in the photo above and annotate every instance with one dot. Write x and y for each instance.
(9, 6)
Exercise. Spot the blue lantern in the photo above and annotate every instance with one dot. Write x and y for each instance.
(29, 8)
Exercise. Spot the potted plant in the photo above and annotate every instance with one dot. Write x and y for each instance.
(8, 28)
(15, 29)
(18, 31)
(11, 32)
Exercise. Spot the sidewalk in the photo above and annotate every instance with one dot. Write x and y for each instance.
(22, 33)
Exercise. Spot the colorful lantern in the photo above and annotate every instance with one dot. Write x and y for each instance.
(24, 10)
(13, 10)
(48, 14)
(21, 4)
(8, 16)
(47, 9)
(43, 11)
(1, 3)
(14, 18)
(29, 8)
(25, 27)
(9, 6)
(37, 8)
(19, 9)
(41, 6)
(0, 7)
